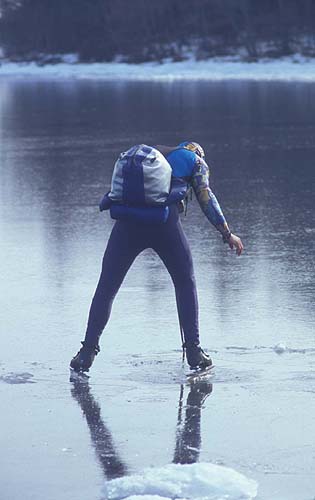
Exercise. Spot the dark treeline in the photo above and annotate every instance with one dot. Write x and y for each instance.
(140, 30)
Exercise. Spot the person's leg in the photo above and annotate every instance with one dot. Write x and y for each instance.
(123, 247)
(124, 244)
(171, 244)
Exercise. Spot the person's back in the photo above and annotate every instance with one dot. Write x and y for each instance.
(182, 160)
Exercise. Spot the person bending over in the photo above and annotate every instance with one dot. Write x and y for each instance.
(128, 239)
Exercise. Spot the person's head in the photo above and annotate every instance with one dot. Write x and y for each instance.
(194, 147)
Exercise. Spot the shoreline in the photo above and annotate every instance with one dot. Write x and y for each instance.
(285, 69)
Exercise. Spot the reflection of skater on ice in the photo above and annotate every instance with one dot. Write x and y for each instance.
(188, 438)
(101, 437)
(188, 435)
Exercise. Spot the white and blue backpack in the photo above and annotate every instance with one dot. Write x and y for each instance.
(142, 186)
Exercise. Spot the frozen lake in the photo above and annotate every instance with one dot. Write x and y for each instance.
(65, 440)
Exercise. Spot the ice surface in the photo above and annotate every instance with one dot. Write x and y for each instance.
(57, 147)
(285, 69)
(146, 497)
(204, 481)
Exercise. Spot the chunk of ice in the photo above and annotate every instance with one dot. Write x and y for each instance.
(280, 348)
(200, 481)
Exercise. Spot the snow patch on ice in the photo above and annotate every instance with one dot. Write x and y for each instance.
(202, 481)
(70, 58)
(279, 348)
(216, 69)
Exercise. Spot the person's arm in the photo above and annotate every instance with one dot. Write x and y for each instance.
(210, 205)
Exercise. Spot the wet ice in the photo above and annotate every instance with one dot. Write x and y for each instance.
(18, 378)
(59, 139)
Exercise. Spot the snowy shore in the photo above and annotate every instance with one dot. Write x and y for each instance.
(296, 68)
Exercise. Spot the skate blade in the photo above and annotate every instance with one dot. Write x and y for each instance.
(199, 374)
(78, 376)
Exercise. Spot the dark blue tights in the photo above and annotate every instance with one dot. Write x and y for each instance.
(127, 240)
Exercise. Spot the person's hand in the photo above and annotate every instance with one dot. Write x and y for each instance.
(236, 242)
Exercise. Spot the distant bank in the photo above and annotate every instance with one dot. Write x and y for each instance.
(293, 68)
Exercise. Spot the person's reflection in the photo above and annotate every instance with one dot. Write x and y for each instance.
(188, 437)
(102, 439)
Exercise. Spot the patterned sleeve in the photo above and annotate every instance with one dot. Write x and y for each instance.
(206, 198)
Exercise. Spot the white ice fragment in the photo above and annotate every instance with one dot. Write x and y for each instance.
(280, 348)
(204, 481)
